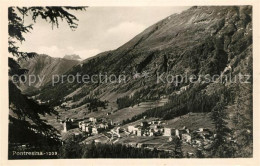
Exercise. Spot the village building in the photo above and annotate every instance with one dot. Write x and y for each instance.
(144, 123)
(140, 132)
(168, 131)
(132, 129)
(186, 138)
(83, 127)
(92, 119)
(200, 130)
(140, 145)
(204, 133)
(154, 126)
(88, 129)
(95, 130)
(76, 136)
(179, 132)
(66, 126)
(80, 123)
(101, 125)
(132, 144)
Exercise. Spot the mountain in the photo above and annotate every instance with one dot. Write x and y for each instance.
(200, 40)
(211, 44)
(44, 67)
(72, 57)
(203, 42)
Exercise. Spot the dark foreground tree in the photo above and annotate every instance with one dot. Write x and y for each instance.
(25, 125)
(221, 148)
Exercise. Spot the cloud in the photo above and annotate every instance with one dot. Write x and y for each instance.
(100, 29)
(109, 39)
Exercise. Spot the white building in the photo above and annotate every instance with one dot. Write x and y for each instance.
(83, 127)
(168, 131)
(131, 129)
(186, 138)
(92, 119)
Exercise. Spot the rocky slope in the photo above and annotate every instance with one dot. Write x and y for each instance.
(200, 40)
(44, 67)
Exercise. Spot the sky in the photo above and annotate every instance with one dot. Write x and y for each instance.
(100, 29)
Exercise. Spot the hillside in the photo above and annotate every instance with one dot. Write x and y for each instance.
(45, 67)
(200, 40)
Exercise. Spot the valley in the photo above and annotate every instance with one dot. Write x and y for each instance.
(193, 117)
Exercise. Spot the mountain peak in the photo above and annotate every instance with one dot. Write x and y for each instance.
(72, 57)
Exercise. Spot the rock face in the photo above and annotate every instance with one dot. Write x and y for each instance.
(44, 66)
(200, 40)
(72, 57)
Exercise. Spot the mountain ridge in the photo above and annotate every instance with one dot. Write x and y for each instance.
(45, 66)
(196, 41)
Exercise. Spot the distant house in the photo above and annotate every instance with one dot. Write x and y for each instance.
(140, 145)
(83, 127)
(168, 131)
(200, 130)
(132, 144)
(80, 123)
(66, 126)
(170, 139)
(186, 138)
(179, 132)
(153, 126)
(156, 122)
(144, 123)
(88, 129)
(92, 119)
(97, 140)
(140, 132)
(131, 128)
(76, 135)
(101, 125)
(184, 88)
(95, 130)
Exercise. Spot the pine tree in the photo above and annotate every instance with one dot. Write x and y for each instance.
(25, 113)
(243, 130)
(177, 152)
(220, 147)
